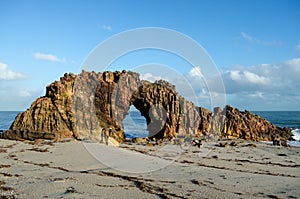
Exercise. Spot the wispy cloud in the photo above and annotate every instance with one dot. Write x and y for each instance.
(252, 39)
(48, 57)
(247, 37)
(7, 74)
(298, 47)
(106, 27)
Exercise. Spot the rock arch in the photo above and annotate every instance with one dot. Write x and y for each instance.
(160, 105)
(135, 125)
(158, 102)
(93, 106)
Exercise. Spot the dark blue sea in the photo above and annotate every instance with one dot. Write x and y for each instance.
(7, 118)
(290, 119)
(135, 124)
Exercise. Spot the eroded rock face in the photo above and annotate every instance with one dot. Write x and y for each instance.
(49, 117)
(160, 105)
(100, 103)
(93, 106)
(249, 126)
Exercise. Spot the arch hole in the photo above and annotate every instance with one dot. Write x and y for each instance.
(135, 125)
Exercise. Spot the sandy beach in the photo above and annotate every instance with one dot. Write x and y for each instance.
(43, 169)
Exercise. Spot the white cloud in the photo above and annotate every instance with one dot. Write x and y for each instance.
(17, 96)
(272, 85)
(258, 87)
(150, 77)
(7, 74)
(248, 77)
(48, 57)
(106, 27)
(293, 63)
(256, 95)
(252, 39)
(196, 72)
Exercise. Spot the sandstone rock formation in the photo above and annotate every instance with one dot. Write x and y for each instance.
(249, 126)
(49, 117)
(93, 106)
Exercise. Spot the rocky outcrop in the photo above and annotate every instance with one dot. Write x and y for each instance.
(93, 106)
(249, 126)
(49, 117)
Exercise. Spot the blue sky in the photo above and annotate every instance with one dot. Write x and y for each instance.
(255, 45)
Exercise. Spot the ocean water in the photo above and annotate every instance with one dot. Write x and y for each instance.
(290, 119)
(135, 124)
(7, 118)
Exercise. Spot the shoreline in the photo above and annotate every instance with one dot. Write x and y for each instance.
(68, 170)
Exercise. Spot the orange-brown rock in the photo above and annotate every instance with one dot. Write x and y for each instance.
(93, 106)
(49, 117)
(249, 126)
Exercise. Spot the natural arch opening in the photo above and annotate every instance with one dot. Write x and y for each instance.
(135, 125)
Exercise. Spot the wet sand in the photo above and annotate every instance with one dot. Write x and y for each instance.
(69, 170)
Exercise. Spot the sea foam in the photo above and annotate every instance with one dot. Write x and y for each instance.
(296, 134)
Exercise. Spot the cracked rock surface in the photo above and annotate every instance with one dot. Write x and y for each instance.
(93, 106)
